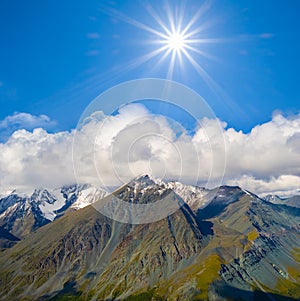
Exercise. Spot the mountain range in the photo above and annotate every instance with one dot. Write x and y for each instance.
(21, 213)
(221, 244)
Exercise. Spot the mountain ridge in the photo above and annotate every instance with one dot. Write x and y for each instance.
(245, 243)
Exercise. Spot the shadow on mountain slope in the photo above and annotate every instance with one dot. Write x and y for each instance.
(206, 227)
(7, 240)
(227, 292)
(225, 196)
(223, 292)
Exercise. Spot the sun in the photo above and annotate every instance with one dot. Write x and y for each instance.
(178, 38)
(176, 42)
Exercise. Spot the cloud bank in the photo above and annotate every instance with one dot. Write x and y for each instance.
(114, 149)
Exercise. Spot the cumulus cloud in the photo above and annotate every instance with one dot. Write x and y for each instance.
(36, 159)
(284, 185)
(25, 120)
(112, 150)
(21, 120)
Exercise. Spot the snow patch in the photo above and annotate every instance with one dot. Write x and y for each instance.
(87, 197)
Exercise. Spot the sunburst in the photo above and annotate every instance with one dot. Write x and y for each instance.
(176, 42)
(175, 38)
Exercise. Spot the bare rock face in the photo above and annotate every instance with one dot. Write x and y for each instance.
(236, 247)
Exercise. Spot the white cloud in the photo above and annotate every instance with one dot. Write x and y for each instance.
(36, 159)
(119, 147)
(21, 120)
(25, 120)
(267, 151)
(284, 185)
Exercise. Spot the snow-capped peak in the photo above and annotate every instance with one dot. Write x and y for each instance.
(88, 196)
(49, 203)
(40, 196)
(21, 192)
(194, 196)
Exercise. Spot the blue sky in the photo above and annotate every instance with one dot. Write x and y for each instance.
(57, 56)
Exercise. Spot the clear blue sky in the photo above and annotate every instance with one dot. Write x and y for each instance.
(56, 56)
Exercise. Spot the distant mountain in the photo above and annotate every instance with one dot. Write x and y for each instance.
(222, 244)
(20, 214)
(293, 201)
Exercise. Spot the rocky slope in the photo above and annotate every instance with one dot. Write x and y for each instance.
(235, 246)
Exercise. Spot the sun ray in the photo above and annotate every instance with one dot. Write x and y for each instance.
(207, 78)
(149, 55)
(181, 15)
(135, 63)
(155, 16)
(200, 70)
(165, 55)
(207, 41)
(171, 66)
(170, 17)
(180, 59)
(205, 7)
(117, 14)
(202, 53)
(205, 25)
(215, 88)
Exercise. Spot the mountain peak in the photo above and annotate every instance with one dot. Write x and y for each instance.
(146, 179)
(41, 195)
